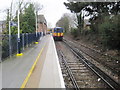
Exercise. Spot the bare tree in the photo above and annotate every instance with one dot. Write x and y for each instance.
(67, 21)
(38, 7)
(49, 25)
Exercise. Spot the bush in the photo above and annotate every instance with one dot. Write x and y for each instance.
(75, 32)
(110, 32)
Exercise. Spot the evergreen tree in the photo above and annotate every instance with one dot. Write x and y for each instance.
(28, 20)
(104, 19)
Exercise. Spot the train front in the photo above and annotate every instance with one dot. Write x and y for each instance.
(58, 33)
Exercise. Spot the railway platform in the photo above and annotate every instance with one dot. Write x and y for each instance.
(37, 68)
(51, 76)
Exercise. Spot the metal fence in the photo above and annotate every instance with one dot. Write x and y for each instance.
(10, 43)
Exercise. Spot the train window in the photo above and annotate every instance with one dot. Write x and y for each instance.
(58, 30)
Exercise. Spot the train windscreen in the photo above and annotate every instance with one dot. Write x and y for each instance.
(58, 30)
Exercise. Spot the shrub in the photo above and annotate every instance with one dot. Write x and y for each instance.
(75, 32)
(110, 32)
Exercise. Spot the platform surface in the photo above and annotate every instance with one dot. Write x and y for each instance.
(51, 73)
(15, 69)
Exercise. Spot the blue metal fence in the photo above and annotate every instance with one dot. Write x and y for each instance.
(26, 39)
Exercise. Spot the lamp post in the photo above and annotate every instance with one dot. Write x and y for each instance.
(37, 8)
(18, 39)
(36, 27)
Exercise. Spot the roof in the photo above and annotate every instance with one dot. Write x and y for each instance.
(86, 21)
(2, 22)
(58, 28)
(41, 19)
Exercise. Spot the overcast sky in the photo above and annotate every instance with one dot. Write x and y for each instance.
(52, 9)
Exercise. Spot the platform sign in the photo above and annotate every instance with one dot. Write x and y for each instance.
(13, 24)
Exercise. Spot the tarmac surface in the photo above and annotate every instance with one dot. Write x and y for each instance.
(15, 69)
(46, 74)
(0, 76)
(51, 76)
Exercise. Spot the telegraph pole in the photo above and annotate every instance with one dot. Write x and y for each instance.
(9, 35)
(10, 19)
(37, 8)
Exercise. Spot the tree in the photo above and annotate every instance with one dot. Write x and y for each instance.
(27, 17)
(64, 23)
(77, 8)
(104, 18)
(7, 22)
(97, 10)
(49, 25)
(28, 20)
(110, 32)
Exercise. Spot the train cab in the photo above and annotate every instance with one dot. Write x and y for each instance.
(58, 33)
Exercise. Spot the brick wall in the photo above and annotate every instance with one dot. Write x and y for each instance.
(42, 28)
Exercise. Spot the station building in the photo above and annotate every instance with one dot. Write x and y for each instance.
(2, 26)
(42, 24)
(87, 24)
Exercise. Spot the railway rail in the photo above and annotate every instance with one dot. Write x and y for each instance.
(80, 76)
(74, 82)
(109, 62)
(103, 76)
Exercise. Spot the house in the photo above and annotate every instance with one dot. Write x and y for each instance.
(87, 24)
(42, 24)
(2, 26)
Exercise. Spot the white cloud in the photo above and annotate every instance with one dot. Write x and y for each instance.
(52, 9)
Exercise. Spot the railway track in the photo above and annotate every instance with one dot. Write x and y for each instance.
(109, 62)
(80, 73)
(70, 73)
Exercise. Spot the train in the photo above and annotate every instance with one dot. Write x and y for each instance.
(49, 31)
(57, 33)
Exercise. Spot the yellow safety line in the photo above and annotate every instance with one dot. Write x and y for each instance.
(31, 70)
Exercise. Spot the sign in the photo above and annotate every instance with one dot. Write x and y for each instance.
(13, 24)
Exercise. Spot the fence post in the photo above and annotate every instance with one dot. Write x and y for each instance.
(10, 46)
(23, 41)
(26, 40)
(1, 36)
(30, 39)
(39, 35)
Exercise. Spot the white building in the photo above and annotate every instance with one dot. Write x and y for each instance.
(2, 26)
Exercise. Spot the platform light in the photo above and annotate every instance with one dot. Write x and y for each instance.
(18, 39)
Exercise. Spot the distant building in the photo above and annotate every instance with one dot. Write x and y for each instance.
(2, 26)
(42, 24)
(87, 24)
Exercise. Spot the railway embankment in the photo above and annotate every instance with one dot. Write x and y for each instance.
(108, 63)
